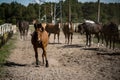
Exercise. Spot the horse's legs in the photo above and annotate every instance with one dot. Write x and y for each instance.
(102, 36)
(114, 42)
(68, 37)
(36, 55)
(21, 34)
(98, 37)
(26, 33)
(89, 40)
(65, 38)
(92, 36)
(106, 40)
(71, 37)
(86, 39)
(49, 36)
(44, 53)
(43, 58)
(58, 37)
(54, 37)
(110, 42)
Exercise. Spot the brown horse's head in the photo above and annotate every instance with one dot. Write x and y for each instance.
(39, 30)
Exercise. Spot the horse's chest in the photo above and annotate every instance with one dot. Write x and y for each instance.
(36, 43)
(40, 44)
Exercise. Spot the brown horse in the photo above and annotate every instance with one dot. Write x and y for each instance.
(89, 29)
(68, 32)
(111, 34)
(23, 27)
(53, 28)
(40, 40)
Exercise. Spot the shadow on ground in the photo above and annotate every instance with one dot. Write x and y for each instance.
(11, 64)
(109, 53)
(72, 46)
(93, 49)
(54, 43)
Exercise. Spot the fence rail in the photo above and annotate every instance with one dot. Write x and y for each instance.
(6, 31)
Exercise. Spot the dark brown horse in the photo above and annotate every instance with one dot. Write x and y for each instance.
(68, 32)
(111, 34)
(89, 29)
(40, 40)
(23, 27)
(53, 28)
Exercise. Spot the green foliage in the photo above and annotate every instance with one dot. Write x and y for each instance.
(79, 11)
(5, 51)
(1, 22)
(13, 21)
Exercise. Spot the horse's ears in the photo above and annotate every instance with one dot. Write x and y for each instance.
(39, 25)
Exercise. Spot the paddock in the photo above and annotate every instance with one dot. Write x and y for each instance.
(66, 62)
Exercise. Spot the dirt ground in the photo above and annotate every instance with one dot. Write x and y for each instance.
(66, 62)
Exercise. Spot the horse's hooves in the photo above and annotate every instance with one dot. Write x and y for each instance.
(37, 66)
(47, 65)
(89, 45)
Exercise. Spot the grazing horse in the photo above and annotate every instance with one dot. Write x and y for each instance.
(40, 40)
(68, 32)
(23, 27)
(53, 28)
(111, 34)
(90, 28)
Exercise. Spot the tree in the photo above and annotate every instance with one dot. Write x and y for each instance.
(11, 12)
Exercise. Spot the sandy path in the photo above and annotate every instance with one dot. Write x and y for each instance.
(67, 62)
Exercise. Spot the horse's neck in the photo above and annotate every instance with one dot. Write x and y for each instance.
(69, 25)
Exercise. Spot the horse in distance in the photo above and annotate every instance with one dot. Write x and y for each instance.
(111, 34)
(68, 32)
(53, 29)
(23, 27)
(90, 28)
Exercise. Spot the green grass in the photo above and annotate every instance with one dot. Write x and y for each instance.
(5, 52)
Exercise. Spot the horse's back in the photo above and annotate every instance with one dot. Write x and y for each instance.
(111, 29)
(26, 25)
(92, 27)
(23, 24)
(52, 28)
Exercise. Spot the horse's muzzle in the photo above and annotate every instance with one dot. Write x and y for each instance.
(39, 41)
